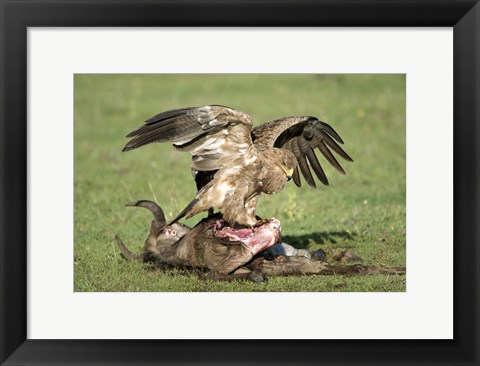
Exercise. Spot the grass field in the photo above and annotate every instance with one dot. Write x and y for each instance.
(363, 212)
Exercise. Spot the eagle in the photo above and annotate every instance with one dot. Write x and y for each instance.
(233, 163)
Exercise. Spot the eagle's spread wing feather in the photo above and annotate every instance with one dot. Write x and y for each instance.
(213, 134)
(301, 135)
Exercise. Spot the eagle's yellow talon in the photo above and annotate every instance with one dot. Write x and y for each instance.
(260, 223)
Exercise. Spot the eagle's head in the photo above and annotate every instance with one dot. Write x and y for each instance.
(279, 167)
(287, 162)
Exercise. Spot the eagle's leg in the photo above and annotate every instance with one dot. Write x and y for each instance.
(238, 219)
(251, 208)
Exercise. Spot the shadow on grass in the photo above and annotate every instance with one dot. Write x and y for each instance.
(303, 241)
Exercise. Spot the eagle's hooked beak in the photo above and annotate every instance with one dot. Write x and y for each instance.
(288, 172)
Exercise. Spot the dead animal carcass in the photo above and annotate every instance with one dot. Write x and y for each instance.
(223, 253)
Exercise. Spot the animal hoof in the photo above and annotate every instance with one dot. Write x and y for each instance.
(268, 255)
(319, 255)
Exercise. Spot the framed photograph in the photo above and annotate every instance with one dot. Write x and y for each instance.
(398, 81)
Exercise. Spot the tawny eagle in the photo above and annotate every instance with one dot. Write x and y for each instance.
(234, 163)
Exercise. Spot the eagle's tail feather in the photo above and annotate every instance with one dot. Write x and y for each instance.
(185, 212)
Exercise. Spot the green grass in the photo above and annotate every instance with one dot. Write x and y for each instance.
(363, 211)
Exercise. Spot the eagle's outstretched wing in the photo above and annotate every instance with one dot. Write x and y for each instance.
(213, 134)
(301, 135)
(234, 164)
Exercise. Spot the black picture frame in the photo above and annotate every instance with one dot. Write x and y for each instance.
(17, 15)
